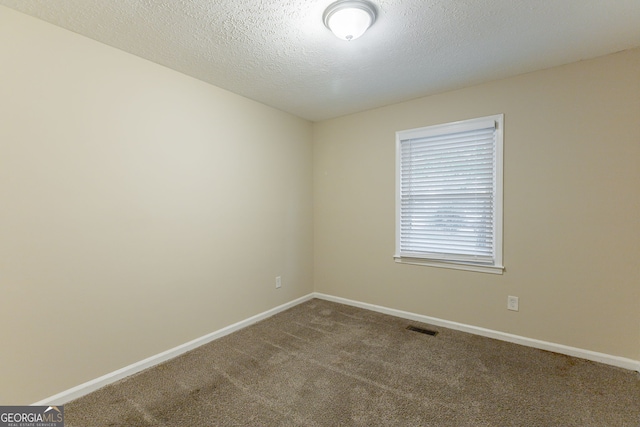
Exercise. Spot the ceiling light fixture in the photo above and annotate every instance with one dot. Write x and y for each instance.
(349, 19)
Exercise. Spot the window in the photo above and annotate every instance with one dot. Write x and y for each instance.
(449, 195)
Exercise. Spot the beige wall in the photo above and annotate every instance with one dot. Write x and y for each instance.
(571, 202)
(140, 209)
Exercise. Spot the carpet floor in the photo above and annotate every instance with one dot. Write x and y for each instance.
(327, 364)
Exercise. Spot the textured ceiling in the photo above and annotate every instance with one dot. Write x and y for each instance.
(278, 52)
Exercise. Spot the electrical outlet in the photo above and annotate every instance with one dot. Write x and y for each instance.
(278, 282)
(512, 303)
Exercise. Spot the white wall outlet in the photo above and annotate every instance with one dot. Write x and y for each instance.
(512, 303)
(278, 282)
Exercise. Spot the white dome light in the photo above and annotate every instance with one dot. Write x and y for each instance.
(349, 19)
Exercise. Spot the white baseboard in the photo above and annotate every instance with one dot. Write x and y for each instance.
(621, 362)
(88, 387)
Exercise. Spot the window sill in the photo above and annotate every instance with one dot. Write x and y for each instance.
(455, 266)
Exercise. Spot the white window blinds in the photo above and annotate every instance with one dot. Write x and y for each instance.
(449, 192)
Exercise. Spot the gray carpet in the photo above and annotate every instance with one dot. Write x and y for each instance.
(327, 364)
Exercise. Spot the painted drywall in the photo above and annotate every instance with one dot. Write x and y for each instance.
(571, 203)
(141, 209)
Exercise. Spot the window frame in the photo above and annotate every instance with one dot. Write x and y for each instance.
(444, 129)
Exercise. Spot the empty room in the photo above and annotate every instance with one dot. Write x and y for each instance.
(320, 212)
